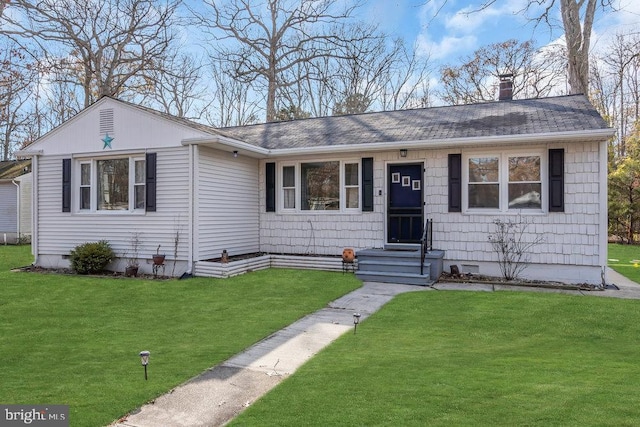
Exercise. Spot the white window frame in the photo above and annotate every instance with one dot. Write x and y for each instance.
(503, 181)
(298, 187)
(344, 186)
(93, 162)
(90, 185)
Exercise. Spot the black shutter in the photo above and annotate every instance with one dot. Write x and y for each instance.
(367, 184)
(66, 185)
(556, 180)
(270, 190)
(150, 163)
(455, 182)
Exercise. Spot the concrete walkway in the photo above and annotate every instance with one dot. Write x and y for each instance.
(222, 392)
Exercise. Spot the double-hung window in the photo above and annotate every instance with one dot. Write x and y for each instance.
(113, 184)
(504, 181)
(85, 186)
(320, 186)
(289, 187)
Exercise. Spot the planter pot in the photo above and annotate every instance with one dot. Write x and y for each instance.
(131, 271)
(158, 259)
(348, 255)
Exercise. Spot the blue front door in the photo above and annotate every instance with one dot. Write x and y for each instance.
(405, 203)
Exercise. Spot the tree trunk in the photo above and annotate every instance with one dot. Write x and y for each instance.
(578, 39)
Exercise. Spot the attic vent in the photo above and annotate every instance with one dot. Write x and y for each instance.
(106, 122)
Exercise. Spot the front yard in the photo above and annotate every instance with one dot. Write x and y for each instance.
(426, 358)
(471, 359)
(74, 340)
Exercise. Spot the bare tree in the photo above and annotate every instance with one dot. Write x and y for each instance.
(272, 37)
(234, 103)
(175, 86)
(368, 73)
(477, 78)
(406, 84)
(17, 77)
(615, 87)
(577, 22)
(105, 46)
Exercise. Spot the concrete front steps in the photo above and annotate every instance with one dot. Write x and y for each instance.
(401, 266)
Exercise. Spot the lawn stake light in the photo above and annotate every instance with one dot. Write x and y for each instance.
(356, 320)
(144, 358)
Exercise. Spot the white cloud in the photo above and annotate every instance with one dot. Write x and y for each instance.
(447, 48)
(449, 31)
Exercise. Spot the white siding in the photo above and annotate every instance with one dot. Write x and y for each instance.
(226, 204)
(570, 250)
(25, 204)
(59, 232)
(8, 208)
(134, 129)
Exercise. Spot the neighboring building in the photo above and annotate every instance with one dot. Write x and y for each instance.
(316, 186)
(15, 201)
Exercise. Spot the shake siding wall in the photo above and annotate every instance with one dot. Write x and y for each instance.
(60, 232)
(227, 204)
(8, 208)
(571, 237)
(322, 233)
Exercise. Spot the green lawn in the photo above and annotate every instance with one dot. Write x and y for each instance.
(75, 340)
(625, 259)
(471, 359)
(474, 359)
(426, 358)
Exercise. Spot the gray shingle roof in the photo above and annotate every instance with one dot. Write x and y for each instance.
(10, 169)
(501, 118)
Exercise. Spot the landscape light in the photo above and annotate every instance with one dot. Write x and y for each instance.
(144, 359)
(356, 320)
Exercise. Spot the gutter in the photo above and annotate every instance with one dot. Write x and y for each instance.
(249, 150)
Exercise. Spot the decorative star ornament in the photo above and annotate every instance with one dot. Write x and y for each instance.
(107, 141)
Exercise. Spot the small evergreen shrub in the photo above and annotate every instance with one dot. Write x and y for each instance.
(92, 257)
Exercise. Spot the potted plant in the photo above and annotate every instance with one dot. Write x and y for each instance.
(132, 261)
(158, 258)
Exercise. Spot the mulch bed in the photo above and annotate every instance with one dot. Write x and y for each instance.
(489, 280)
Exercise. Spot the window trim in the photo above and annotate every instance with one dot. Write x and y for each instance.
(297, 165)
(93, 165)
(503, 180)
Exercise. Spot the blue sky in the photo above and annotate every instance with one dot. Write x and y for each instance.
(444, 29)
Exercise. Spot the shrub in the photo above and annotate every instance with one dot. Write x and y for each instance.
(513, 245)
(92, 257)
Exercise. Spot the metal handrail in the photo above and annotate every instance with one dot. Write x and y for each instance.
(426, 243)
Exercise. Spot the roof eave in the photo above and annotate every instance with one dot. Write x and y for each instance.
(540, 138)
(243, 148)
(229, 144)
(27, 154)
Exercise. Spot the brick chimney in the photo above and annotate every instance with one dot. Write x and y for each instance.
(506, 87)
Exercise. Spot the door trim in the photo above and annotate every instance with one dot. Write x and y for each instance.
(388, 186)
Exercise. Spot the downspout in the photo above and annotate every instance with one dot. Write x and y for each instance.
(190, 226)
(34, 208)
(19, 199)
